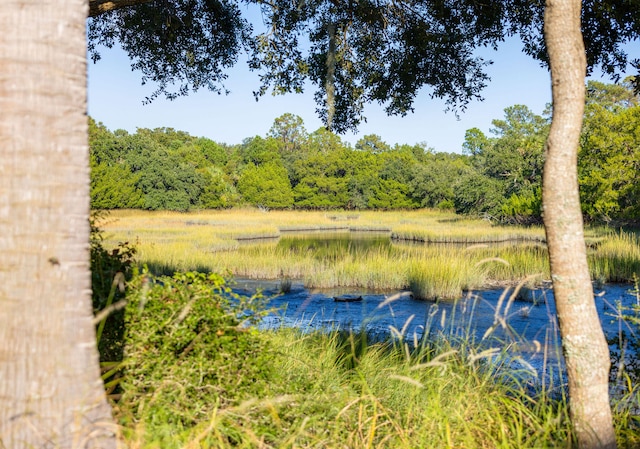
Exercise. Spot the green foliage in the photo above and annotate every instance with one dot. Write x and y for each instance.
(110, 269)
(258, 151)
(190, 351)
(497, 176)
(384, 53)
(289, 131)
(267, 185)
(218, 191)
(114, 187)
(320, 192)
(480, 195)
(372, 143)
(157, 169)
(609, 161)
(169, 184)
(213, 152)
(516, 155)
(322, 180)
(168, 138)
(510, 163)
(612, 97)
(525, 208)
(436, 180)
(324, 141)
(391, 194)
(475, 143)
(181, 46)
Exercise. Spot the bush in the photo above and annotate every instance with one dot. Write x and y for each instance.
(188, 353)
(110, 269)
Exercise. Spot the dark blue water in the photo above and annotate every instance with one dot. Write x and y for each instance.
(527, 331)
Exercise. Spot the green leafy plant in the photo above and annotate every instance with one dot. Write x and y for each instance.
(110, 269)
(189, 351)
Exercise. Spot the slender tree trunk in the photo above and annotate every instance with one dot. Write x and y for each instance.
(51, 395)
(584, 346)
(330, 84)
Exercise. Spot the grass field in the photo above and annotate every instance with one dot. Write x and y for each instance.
(453, 253)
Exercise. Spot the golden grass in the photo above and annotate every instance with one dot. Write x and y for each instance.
(243, 242)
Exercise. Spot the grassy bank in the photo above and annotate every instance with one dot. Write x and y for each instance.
(462, 254)
(196, 377)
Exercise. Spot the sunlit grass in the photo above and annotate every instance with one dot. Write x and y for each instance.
(244, 243)
(443, 278)
(616, 258)
(454, 229)
(339, 390)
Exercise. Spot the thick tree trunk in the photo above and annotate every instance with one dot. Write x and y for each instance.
(97, 7)
(51, 394)
(585, 348)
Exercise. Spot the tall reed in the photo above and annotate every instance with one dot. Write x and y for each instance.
(616, 258)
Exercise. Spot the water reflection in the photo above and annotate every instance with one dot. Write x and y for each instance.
(323, 245)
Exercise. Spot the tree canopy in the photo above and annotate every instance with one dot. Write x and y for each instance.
(353, 53)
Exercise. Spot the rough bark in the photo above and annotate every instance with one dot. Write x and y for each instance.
(97, 7)
(584, 346)
(51, 394)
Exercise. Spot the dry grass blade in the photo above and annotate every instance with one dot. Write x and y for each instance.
(486, 354)
(393, 298)
(407, 379)
(436, 361)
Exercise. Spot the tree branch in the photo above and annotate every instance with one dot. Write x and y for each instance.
(97, 7)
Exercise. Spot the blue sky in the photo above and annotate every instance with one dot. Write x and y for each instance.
(116, 95)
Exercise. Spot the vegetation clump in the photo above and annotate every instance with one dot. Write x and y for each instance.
(189, 351)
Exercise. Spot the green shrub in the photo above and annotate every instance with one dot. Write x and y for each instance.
(110, 269)
(188, 352)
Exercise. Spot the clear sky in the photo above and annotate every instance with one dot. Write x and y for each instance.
(116, 95)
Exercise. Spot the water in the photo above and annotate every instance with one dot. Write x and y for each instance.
(528, 331)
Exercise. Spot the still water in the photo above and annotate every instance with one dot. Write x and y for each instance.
(528, 331)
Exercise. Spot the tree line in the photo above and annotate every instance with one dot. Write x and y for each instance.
(497, 175)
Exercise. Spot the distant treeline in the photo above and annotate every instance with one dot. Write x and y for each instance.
(498, 176)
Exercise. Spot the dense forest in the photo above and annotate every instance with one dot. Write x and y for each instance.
(496, 176)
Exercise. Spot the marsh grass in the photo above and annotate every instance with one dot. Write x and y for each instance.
(243, 242)
(338, 389)
(439, 278)
(616, 258)
(467, 231)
